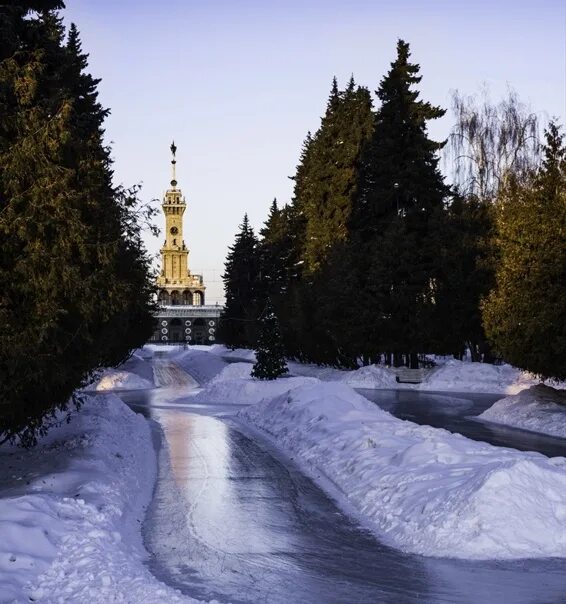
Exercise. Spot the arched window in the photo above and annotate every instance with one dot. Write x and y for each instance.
(187, 297)
(175, 298)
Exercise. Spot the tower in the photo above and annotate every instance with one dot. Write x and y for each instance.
(177, 286)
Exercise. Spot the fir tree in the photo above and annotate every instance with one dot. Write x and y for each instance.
(398, 214)
(75, 280)
(333, 171)
(274, 249)
(466, 260)
(524, 314)
(270, 361)
(241, 288)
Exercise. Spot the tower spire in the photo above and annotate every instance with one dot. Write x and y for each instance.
(173, 164)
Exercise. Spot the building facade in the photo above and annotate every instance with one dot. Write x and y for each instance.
(183, 315)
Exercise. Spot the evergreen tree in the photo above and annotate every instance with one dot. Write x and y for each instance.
(467, 258)
(524, 314)
(270, 361)
(398, 215)
(333, 171)
(241, 288)
(317, 219)
(75, 280)
(274, 250)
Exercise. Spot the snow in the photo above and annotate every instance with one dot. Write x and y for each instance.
(236, 354)
(71, 511)
(449, 376)
(72, 508)
(421, 489)
(233, 371)
(201, 365)
(135, 374)
(372, 376)
(114, 379)
(459, 376)
(247, 391)
(539, 409)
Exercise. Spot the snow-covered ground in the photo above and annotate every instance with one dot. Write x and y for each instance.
(71, 509)
(539, 409)
(135, 374)
(421, 489)
(71, 512)
(449, 375)
(114, 379)
(459, 376)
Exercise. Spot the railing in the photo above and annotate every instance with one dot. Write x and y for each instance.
(179, 310)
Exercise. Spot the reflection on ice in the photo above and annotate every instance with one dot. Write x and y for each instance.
(231, 521)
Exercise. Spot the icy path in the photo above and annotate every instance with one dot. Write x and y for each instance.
(234, 520)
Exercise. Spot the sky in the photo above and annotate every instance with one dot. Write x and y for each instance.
(237, 85)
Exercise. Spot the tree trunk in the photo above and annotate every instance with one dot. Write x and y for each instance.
(414, 360)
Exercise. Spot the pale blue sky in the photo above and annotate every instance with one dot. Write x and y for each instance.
(238, 84)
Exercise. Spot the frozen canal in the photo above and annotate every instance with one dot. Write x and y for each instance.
(234, 520)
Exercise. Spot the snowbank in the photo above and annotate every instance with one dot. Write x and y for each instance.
(234, 371)
(458, 376)
(117, 379)
(372, 376)
(201, 365)
(247, 391)
(70, 528)
(451, 376)
(422, 489)
(540, 409)
(238, 354)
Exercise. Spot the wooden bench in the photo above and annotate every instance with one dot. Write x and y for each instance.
(410, 376)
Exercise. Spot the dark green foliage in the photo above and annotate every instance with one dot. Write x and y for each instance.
(332, 171)
(399, 169)
(399, 215)
(376, 258)
(75, 280)
(242, 290)
(467, 265)
(274, 251)
(317, 219)
(270, 361)
(525, 314)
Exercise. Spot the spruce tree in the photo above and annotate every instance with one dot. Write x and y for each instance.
(241, 289)
(398, 214)
(524, 315)
(270, 361)
(75, 280)
(273, 250)
(332, 178)
(317, 219)
(466, 260)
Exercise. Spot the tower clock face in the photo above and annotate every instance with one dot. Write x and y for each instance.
(174, 230)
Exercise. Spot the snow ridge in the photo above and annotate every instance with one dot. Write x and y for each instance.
(74, 535)
(422, 489)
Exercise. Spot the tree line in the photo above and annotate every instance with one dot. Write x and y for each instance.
(378, 259)
(75, 280)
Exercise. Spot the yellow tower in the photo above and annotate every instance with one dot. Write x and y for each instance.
(176, 284)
